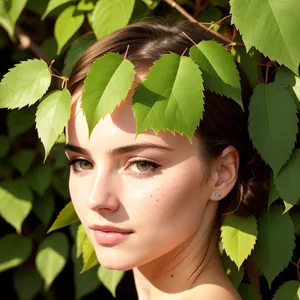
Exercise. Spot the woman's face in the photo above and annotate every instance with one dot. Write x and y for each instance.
(137, 198)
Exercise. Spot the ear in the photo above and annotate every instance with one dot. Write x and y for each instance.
(225, 173)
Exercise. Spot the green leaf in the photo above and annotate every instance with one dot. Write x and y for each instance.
(273, 194)
(22, 160)
(39, 178)
(287, 180)
(19, 121)
(89, 256)
(16, 202)
(160, 102)
(52, 116)
(110, 278)
(14, 250)
(27, 283)
(220, 74)
(15, 9)
(52, 4)
(52, 256)
(248, 292)
(152, 4)
(86, 5)
(210, 15)
(295, 216)
(101, 94)
(289, 290)
(80, 238)
(110, 15)
(86, 282)
(274, 139)
(24, 84)
(75, 51)
(5, 144)
(232, 271)
(238, 237)
(275, 231)
(66, 25)
(287, 78)
(49, 46)
(44, 209)
(5, 20)
(66, 217)
(248, 62)
(276, 33)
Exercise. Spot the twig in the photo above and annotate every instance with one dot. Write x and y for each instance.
(26, 42)
(219, 37)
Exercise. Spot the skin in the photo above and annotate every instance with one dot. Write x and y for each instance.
(169, 203)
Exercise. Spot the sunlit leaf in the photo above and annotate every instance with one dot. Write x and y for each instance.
(275, 231)
(110, 278)
(22, 160)
(66, 217)
(5, 20)
(68, 22)
(24, 84)
(14, 250)
(220, 74)
(107, 84)
(52, 116)
(16, 202)
(15, 9)
(272, 137)
(52, 256)
(289, 290)
(276, 28)
(238, 237)
(80, 238)
(152, 3)
(160, 102)
(27, 283)
(110, 15)
(88, 254)
(86, 5)
(52, 4)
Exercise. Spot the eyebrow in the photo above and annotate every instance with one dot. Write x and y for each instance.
(120, 150)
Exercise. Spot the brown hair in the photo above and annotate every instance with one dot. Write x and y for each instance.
(223, 124)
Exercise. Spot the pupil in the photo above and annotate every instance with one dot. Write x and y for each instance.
(142, 166)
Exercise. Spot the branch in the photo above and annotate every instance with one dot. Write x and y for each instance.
(216, 35)
(27, 43)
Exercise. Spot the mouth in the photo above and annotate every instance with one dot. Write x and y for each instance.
(109, 235)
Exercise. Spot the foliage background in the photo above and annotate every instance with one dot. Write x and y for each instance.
(39, 191)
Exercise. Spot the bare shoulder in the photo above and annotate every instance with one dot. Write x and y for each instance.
(213, 292)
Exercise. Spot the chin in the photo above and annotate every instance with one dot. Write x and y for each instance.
(109, 259)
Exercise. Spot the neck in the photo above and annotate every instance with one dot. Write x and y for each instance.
(186, 267)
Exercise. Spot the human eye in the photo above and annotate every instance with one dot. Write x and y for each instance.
(79, 165)
(141, 167)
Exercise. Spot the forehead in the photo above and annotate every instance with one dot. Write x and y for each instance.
(118, 129)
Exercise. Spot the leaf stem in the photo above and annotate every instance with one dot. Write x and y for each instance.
(26, 42)
(216, 35)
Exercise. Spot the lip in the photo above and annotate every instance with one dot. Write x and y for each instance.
(107, 235)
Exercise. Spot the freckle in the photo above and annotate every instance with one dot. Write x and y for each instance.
(172, 275)
(151, 195)
(156, 200)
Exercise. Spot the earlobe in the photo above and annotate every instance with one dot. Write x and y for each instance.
(225, 173)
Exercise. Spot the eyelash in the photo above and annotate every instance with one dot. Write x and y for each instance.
(153, 166)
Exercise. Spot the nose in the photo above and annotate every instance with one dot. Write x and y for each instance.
(103, 195)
